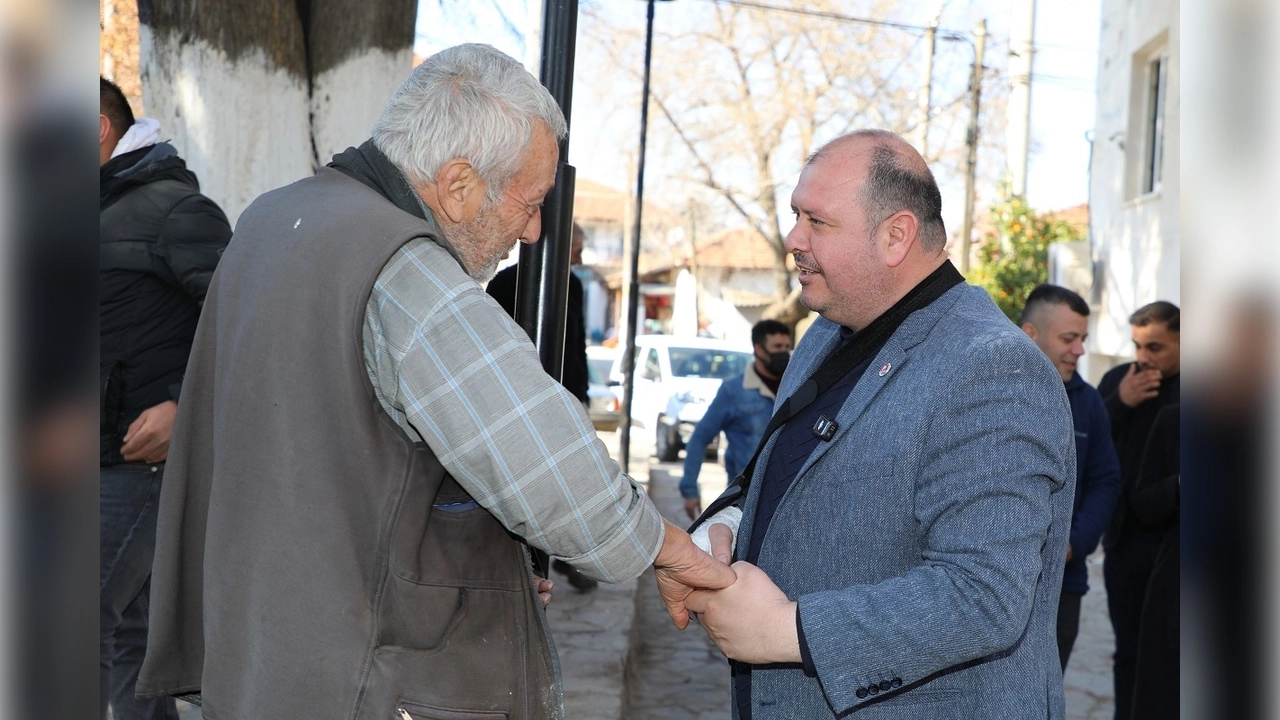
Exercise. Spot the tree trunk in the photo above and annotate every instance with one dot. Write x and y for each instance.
(788, 311)
(258, 93)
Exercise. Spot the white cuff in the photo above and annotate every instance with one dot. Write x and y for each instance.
(731, 516)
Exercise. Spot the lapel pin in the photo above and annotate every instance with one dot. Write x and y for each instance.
(885, 370)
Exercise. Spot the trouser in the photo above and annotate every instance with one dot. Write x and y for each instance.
(1068, 624)
(1126, 568)
(1156, 675)
(128, 503)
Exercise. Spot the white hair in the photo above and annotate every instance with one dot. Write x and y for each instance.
(469, 101)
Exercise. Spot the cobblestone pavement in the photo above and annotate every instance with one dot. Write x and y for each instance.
(674, 674)
(1088, 684)
(592, 630)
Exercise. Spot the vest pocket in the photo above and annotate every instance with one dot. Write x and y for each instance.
(406, 710)
(461, 549)
(422, 617)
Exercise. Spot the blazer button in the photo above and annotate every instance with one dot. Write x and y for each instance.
(873, 689)
(897, 682)
(886, 685)
(862, 693)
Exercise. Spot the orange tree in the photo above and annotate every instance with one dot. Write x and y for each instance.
(1014, 256)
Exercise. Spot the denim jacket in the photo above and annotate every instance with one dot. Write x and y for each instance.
(741, 408)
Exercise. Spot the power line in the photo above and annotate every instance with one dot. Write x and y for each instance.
(908, 27)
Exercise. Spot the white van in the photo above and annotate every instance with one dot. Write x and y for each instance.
(676, 378)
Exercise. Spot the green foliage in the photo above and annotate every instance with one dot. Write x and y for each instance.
(1014, 257)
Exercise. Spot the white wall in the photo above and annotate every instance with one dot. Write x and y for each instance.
(1135, 235)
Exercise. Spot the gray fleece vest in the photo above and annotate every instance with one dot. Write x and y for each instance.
(304, 566)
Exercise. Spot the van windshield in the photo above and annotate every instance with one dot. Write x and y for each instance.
(707, 363)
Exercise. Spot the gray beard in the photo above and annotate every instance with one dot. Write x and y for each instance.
(484, 274)
(468, 239)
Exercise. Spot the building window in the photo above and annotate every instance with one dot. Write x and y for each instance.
(1153, 152)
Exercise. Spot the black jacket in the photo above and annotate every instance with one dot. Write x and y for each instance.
(574, 375)
(1130, 428)
(159, 242)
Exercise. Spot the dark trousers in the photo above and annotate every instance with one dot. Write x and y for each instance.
(1126, 568)
(1156, 677)
(1068, 624)
(128, 498)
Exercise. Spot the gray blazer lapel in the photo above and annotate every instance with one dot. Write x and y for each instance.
(882, 369)
(824, 335)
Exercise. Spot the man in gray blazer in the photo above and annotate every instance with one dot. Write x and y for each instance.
(902, 535)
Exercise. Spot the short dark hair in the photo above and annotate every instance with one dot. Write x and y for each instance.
(892, 186)
(1161, 311)
(763, 329)
(1045, 294)
(113, 104)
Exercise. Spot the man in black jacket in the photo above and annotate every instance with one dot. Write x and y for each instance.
(1135, 393)
(160, 240)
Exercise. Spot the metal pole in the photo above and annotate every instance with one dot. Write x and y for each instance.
(541, 305)
(971, 142)
(633, 261)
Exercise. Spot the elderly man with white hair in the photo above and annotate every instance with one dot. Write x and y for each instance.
(366, 441)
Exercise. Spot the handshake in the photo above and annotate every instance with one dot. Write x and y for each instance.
(743, 612)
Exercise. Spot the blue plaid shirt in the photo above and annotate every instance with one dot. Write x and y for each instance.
(453, 370)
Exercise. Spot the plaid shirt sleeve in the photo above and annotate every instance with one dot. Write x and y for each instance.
(454, 370)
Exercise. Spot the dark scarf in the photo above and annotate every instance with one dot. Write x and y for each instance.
(369, 166)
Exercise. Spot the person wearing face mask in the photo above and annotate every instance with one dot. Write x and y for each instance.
(741, 408)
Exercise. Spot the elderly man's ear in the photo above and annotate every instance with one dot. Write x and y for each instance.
(459, 191)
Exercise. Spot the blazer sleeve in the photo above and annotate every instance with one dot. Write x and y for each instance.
(997, 446)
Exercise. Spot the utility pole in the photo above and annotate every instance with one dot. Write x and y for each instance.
(633, 261)
(1021, 54)
(926, 94)
(971, 144)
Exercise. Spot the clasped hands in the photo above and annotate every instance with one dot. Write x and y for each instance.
(743, 612)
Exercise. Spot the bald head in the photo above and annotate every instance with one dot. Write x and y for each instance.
(897, 179)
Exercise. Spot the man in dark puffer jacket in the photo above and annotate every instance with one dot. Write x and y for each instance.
(160, 240)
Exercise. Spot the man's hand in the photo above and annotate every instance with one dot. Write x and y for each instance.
(1069, 553)
(751, 621)
(544, 589)
(1138, 386)
(681, 567)
(693, 507)
(147, 438)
